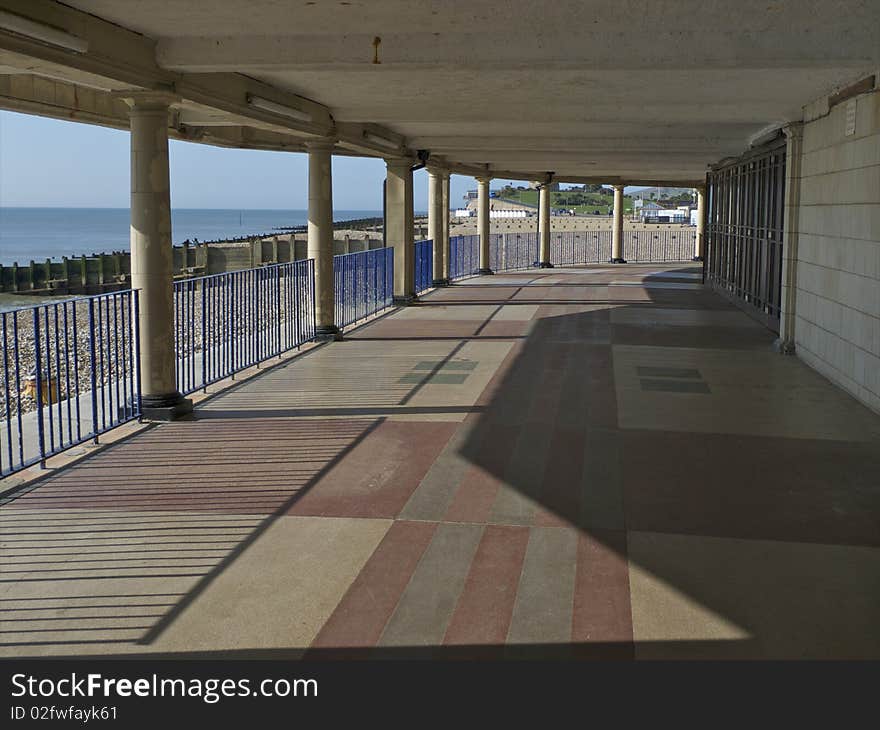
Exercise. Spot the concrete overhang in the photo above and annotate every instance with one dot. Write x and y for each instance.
(629, 90)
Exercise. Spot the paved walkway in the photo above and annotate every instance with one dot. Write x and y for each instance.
(602, 462)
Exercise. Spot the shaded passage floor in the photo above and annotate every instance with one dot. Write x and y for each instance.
(599, 462)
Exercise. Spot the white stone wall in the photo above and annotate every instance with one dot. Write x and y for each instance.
(837, 329)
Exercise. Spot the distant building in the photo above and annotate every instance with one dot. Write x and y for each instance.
(651, 211)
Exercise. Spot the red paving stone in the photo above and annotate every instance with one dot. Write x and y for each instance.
(379, 475)
(601, 619)
(485, 607)
(361, 615)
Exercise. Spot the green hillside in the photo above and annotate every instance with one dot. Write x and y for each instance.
(583, 203)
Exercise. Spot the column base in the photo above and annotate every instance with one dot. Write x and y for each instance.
(543, 265)
(165, 407)
(404, 300)
(616, 261)
(784, 347)
(440, 282)
(697, 258)
(327, 333)
(485, 272)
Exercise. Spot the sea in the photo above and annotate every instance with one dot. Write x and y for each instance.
(49, 233)
(41, 233)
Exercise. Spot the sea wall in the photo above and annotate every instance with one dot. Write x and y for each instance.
(107, 272)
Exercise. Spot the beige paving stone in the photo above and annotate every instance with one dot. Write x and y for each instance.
(750, 393)
(695, 596)
(281, 590)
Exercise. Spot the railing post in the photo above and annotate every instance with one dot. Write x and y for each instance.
(93, 361)
(38, 374)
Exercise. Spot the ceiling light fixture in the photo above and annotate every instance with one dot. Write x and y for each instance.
(42, 32)
(258, 102)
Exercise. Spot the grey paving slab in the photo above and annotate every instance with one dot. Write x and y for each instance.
(424, 610)
(543, 609)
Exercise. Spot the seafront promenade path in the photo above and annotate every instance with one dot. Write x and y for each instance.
(587, 462)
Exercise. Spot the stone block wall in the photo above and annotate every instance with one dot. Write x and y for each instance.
(837, 325)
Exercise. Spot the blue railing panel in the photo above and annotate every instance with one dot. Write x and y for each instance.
(228, 322)
(363, 284)
(464, 256)
(70, 372)
(424, 266)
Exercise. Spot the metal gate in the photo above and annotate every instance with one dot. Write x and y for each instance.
(744, 230)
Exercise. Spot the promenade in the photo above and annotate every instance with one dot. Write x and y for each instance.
(583, 462)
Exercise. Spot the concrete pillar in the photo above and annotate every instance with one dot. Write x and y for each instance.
(445, 274)
(399, 222)
(700, 239)
(320, 236)
(617, 230)
(435, 222)
(544, 226)
(152, 257)
(794, 134)
(484, 224)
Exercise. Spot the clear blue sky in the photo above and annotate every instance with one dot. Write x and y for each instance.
(52, 163)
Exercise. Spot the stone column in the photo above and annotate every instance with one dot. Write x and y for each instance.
(544, 226)
(484, 224)
(445, 275)
(700, 239)
(399, 222)
(320, 236)
(617, 231)
(794, 134)
(435, 222)
(152, 258)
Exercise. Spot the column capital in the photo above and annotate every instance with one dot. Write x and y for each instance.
(483, 179)
(618, 186)
(793, 130)
(147, 99)
(436, 170)
(398, 163)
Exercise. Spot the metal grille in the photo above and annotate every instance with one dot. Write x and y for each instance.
(744, 231)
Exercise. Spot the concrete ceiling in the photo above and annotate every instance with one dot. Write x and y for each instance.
(634, 89)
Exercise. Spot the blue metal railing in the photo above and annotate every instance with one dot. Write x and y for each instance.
(464, 256)
(70, 372)
(225, 323)
(639, 246)
(580, 247)
(424, 266)
(658, 246)
(512, 251)
(363, 284)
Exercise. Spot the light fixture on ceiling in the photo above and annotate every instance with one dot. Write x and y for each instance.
(258, 102)
(42, 32)
(382, 141)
